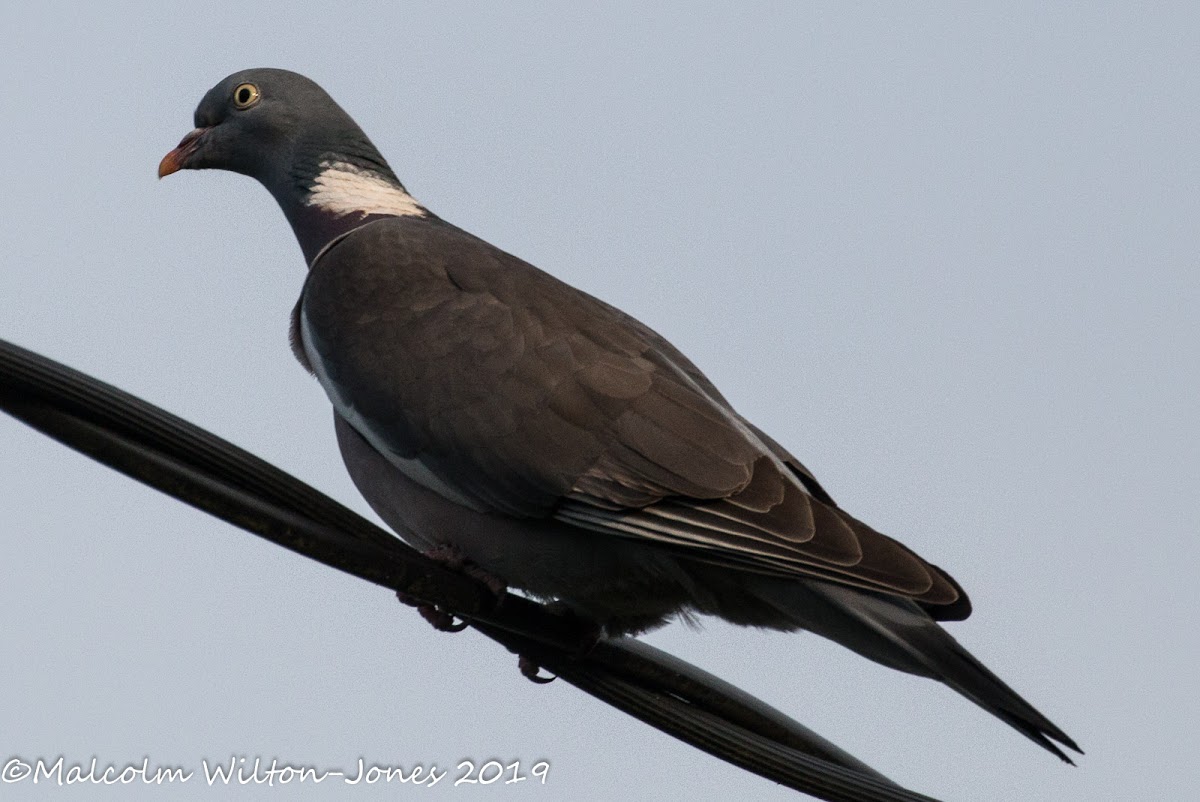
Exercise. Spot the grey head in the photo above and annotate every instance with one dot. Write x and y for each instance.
(285, 131)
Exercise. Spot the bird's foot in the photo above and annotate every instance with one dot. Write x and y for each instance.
(438, 618)
(590, 634)
(451, 557)
(532, 671)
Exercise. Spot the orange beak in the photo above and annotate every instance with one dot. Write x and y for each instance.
(174, 161)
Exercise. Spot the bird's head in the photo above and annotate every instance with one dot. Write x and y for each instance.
(282, 129)
(257, 122)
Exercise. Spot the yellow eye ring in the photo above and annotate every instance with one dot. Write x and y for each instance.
(245, 96)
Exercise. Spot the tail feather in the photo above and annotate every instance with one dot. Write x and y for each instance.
(899, 634)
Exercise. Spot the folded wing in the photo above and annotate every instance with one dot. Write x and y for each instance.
(506, 390)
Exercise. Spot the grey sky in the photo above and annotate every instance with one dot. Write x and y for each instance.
(947, 257)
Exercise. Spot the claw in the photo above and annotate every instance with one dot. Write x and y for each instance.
(440, 620)
(532, 671)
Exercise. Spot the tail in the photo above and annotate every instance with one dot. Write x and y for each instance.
(899, 634)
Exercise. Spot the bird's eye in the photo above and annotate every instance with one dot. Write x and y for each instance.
(245, 96)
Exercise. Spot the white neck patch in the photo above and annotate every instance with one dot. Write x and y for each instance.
(342, 189)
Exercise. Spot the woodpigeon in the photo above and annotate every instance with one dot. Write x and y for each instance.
(553, 441)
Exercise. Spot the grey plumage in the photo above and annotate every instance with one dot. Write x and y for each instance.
(555, 441)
